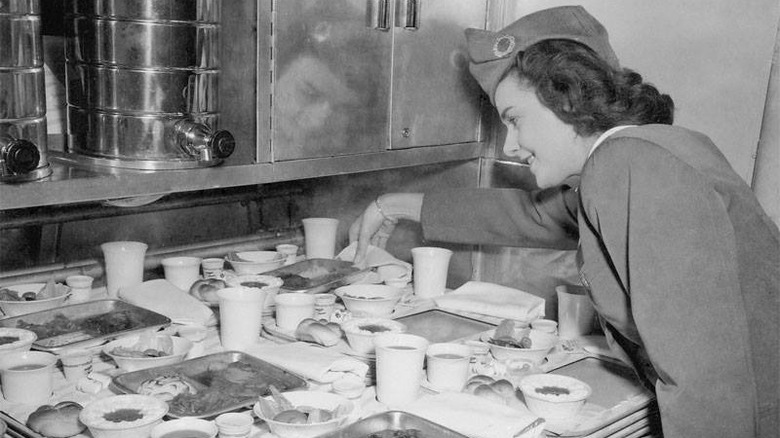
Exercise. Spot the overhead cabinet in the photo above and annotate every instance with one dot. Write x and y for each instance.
(358, 76)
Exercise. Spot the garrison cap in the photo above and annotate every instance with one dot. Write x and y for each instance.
(493, 53)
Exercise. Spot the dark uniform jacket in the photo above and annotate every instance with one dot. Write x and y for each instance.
(681, 262)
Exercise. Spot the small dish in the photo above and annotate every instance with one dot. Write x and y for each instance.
(53, 299)
(553, 396)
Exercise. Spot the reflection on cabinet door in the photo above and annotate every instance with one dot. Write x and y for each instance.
(435, 100)
(331, 79)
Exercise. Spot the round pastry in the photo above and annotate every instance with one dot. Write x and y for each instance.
(166, 388)
(206, 289)
(58, 421)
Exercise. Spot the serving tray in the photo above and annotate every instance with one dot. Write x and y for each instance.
(316, 275)
(390, 424)
(224, 381)
(86, 324)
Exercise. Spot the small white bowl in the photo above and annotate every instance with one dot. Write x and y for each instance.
(137, 415)
(553, 396)
(361, 332)
(181, 347)
(541, 344)
(314, 399)
(367, 300)
(14, 340)
(256, 262)
(16, 308)
(185, 427)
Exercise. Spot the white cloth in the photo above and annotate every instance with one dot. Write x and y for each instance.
(476, 416)
(388, 268)
(309, 361)
(163, 297)
(493, 300)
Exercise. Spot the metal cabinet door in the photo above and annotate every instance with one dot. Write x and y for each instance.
(435, 100)
(331, 79)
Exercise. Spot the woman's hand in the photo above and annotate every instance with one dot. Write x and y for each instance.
(379, 219)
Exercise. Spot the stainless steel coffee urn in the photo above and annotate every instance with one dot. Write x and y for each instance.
(143, 82)
(23, 144)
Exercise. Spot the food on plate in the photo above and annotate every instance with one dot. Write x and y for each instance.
(58, 421)
(49, 290)
(167, 387)
(94, 326)
(311, 330)
(127, 415)
(147, 345)
(206, 289)
(508, 335)
(222, 386)
(303, 415)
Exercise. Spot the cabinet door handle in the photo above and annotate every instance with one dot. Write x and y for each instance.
(410, 14)
(381, 20)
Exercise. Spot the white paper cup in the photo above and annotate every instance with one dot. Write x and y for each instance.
(240, 317)
(431, 265)
(292, 308)
(76, 363)
(320, 234)
(179, 427)
(234, 424)
(27, 377)
(399, 368)
(182, 271)
(575, 311)
(448, 366)
(289, 251)
(545, 325)
(80, 288)
(124, 265)
(212, 267)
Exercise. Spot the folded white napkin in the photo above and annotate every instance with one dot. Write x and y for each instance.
(310, 362)
(493, 300)
(476, 416)
(163, 297)
(388, 268)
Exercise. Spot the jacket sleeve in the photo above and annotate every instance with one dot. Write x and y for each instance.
(668, 236)
(508, 217)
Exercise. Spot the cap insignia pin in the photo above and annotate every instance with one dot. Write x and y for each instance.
(503, 45)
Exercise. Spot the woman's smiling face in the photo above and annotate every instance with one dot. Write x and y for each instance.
(537, 136)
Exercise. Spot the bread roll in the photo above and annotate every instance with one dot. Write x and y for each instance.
(311, 330)
(206, 289)
(489, 393)
(504, 387)
(58, 421)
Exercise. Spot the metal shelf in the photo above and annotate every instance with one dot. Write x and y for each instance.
(72, 182)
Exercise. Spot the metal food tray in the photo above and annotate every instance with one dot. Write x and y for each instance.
(86, 324)
(393, 421)
(316, 275)
(229, 388)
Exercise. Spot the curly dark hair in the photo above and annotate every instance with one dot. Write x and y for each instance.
(586, 92)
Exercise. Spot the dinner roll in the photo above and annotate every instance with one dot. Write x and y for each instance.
(58, 421)
(311, 330)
